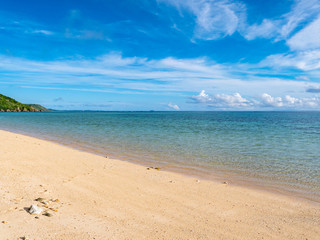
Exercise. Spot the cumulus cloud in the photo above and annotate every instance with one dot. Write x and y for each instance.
(222, 100)
(214, 19)
(288, 102)
(236, 101)
(174, 106)
(269, 101)
(202, 97)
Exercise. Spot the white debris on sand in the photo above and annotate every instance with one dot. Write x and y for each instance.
(34, 209)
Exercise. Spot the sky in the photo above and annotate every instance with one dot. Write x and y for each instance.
(162, 55)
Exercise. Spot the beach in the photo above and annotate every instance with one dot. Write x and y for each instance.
(94, 197)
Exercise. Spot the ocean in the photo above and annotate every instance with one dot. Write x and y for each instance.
(279, 151)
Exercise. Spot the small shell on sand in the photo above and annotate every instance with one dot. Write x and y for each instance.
(34, 209)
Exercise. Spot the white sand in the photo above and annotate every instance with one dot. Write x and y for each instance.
(110, 199)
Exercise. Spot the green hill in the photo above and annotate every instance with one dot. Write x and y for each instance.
(8, 104)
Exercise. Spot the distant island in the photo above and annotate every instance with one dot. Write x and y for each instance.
(8, 104)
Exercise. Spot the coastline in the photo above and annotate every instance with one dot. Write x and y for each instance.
(103, 198)
(216, 175)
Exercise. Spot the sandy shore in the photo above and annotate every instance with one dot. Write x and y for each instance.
(102, 198)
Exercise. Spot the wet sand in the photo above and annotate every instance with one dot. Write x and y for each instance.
(102, 198)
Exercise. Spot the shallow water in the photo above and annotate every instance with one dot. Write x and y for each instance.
(277, 148)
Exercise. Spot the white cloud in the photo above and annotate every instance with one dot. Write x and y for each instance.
(222, 100)
(113, 68)
(219, 18)
(197, 65)
(289, 102)
(44, 32)
(202, 97)
(303, 60)
(10, 23)
(267, 29)
(169, 76)
(236, 101)
(282, 27)
(305, 78)
(214, 19)
(301, 12)
(174, 106)
(307, 38)
(270, 101)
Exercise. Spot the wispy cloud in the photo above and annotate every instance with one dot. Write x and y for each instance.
(302, 11)
(116, 73)
(267, 29)
(17, 26)
(44, 32)
(305, 78)
(219, 18)
(307, 38)
(214, 19)
(174, 106)
(282, 27)
(303, 60)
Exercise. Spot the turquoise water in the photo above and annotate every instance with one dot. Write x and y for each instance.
(274, 148)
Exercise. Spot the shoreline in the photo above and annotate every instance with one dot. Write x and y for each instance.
(215, 175)
(104, 198)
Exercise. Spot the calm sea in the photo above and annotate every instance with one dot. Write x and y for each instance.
(279, 150)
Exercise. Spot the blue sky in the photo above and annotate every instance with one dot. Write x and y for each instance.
(162, 54)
